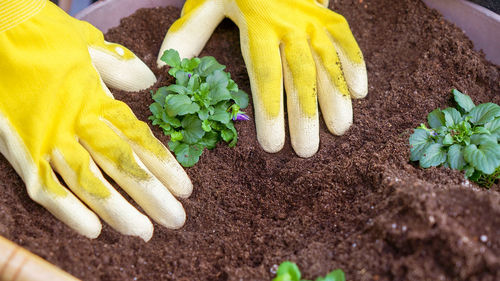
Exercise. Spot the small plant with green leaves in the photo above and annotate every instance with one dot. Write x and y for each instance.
(463, 138)
(199, 109)
(289, 271)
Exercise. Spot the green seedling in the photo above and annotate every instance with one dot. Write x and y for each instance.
(289, 271)
(199, 109)
(462, 138)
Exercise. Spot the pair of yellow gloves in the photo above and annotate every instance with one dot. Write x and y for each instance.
(58, 116)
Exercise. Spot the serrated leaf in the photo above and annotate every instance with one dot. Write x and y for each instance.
(189, 64)
(419, 141)
(173, 121)
(188, 155)
(240, 98)
(207, 66)
(156, 109)
(484, 113)
(177, 89)
(451, 116)
(464, 101)
(455, 157)
(193, 131)
(180, 105)
(481, 130)
(171, 57)
(217, 83)
(485, 158)
(436, 118)
(433, 156)
(494, 127)
(160, 96)
(483, 139)
(221, 114)
(210, 140)
(231, 127)
(194, 82)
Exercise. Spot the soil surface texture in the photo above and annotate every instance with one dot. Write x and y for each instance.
(358, 204)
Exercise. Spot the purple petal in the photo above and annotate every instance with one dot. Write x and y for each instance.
(242, 117)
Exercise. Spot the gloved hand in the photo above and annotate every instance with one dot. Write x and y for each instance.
(302, 41)
(57, 116)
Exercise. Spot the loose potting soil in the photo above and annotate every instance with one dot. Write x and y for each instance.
(358, 204)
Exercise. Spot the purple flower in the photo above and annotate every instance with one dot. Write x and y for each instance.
(189, 75)
(241, 117)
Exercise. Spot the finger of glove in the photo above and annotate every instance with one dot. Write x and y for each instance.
(116, 158)
(349, 54)
(62, 203)
(262, 57)
(84, 178)
(323, 3)
(300, 84)
(333, 93)
(150, 150)
(117, 65)
(189, 34)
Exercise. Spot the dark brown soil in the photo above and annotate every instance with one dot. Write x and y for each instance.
(358, 204)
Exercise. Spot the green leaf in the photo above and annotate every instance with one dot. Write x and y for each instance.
(203, 114)
(469, 171)
(289, 270)
(494, 127)
(210, 140)
(178, 89)
(484, 113)
(160, 96)
(451, 116)
(193, 131)
(464, 101)
(176, 136)
(156, 109)
(456, 157)
(189, 64)
(227, 135)
(182, 78)
(217, 82)
(483, 139)
(231, 127)
(240, 98)
(188, 155)
(336, 275)
(481, 130)
(419, 141)
(220, 113)
(485, 158)
(436, 118)
(171, 57)
(433, 156)
(194, 82)
(173, 121)
(207, 66)
(447, 140)
(205, 125)
(180, 105)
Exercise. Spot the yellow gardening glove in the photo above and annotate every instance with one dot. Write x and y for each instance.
(57, 116)
(302, 41)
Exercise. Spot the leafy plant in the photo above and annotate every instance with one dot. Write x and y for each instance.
(289, 271)
(463, 138)
(199, 109)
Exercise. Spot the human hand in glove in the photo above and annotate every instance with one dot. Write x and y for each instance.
(57, 116)
(301, 42)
